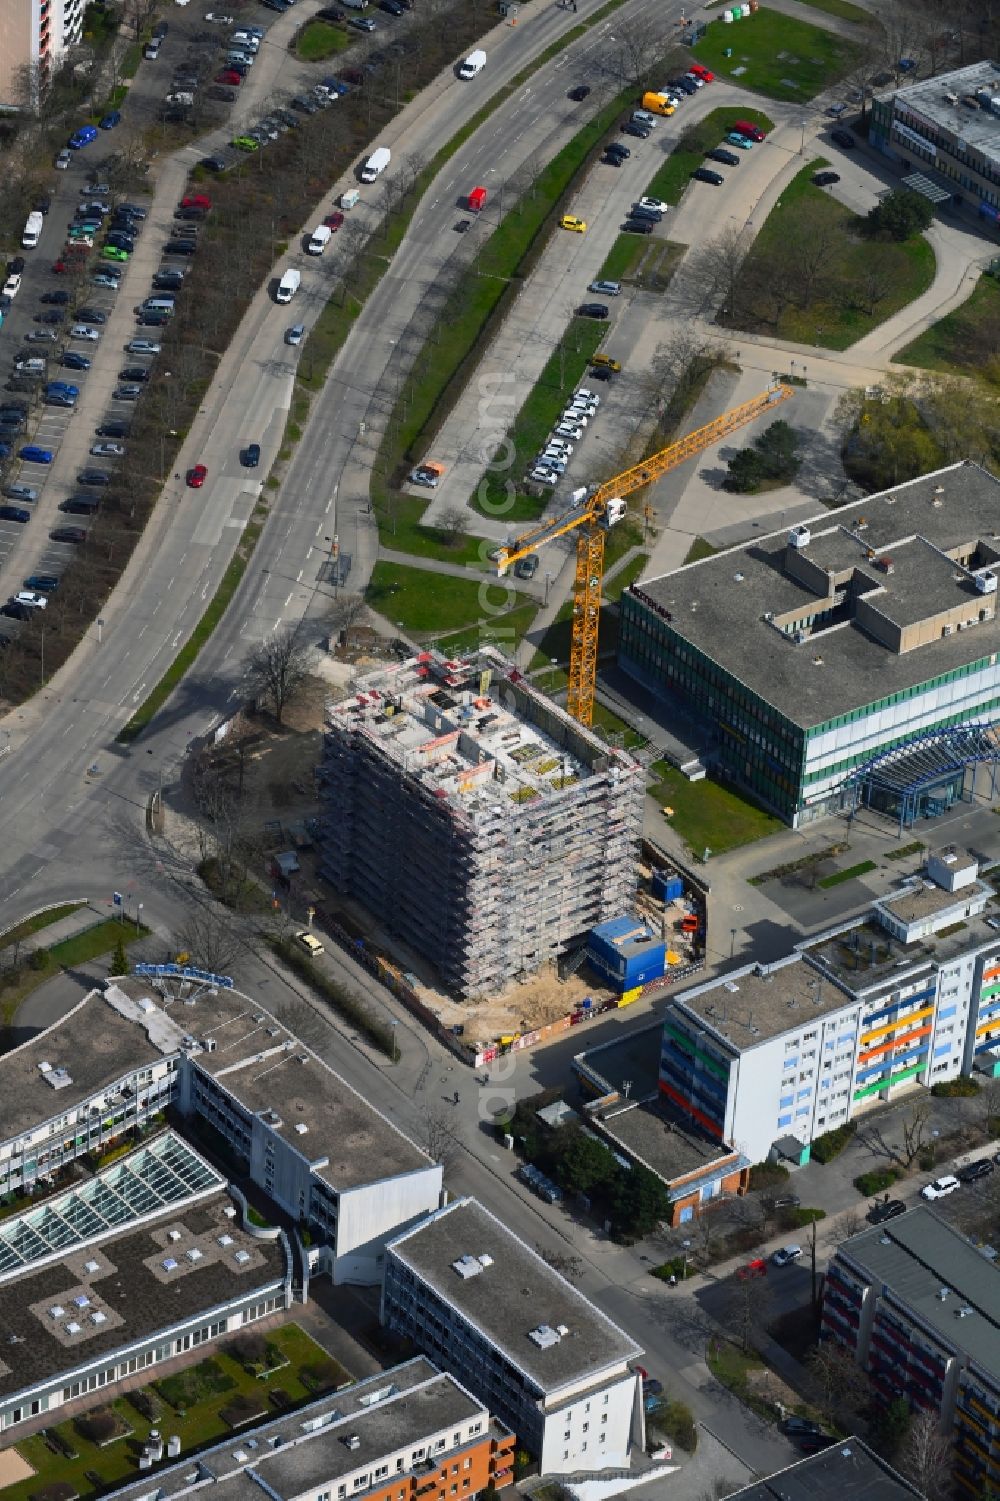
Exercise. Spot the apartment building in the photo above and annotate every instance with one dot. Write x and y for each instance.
(851, 660)
(143, 1262)
(474, 818)
(848, 1471)
(407, 1432)
(304, 1136)
(33, 36)
(946, 131)
(773, 1055)
(919, 1307)
(480, 1303)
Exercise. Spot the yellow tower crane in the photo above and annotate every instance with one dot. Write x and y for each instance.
(593, 514)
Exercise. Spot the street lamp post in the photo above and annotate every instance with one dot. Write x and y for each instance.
(334, 542)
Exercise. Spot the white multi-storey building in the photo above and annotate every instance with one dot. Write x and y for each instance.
(773, 1055)
(480, 1303)
(33, 36)
(305, 1137)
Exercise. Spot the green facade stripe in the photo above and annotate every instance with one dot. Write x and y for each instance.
(906, 1073)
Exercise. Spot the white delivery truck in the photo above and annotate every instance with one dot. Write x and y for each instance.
(473, 65)
(349, 199)
(288, 286)
(319, 240)
(32, 229)
(376, 164)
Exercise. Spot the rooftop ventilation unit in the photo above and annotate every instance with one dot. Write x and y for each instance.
(986, 581)
(963, 1313)
(799, 536)
(943, 1293)
(467, 1266)
(485, 1259)
(544, 1336)
(301, 1128)
(353, 1441)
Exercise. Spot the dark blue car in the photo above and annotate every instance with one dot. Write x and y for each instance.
(82, 137)
(111, 120)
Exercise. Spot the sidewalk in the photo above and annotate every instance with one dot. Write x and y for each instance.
(77, 922)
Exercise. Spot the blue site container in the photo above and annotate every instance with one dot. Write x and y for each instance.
(627, 952)
(666, 887)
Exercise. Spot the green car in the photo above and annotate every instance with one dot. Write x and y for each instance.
(112, 253)
(246, 143)
(77, 231)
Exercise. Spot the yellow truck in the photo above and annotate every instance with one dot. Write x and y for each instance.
(657, 104)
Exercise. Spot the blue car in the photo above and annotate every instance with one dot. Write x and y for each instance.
(111, 120)
(73, 361)
(4, 450)
(31, 453)
(63, 387)
(82, 137)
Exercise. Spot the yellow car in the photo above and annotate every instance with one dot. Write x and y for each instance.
(570, 221)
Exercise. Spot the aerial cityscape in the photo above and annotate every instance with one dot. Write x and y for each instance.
(499, 750)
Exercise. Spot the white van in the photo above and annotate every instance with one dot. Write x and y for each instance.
(288, 286)
(32, 229)
(376, 164)
(319, 240)
(473, 65)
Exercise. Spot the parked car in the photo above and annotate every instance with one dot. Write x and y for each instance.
(59, 299)
(844, 139)
(632, 128)
(85, 332)
(107, 450)
(786, 1255)
(973, 1171)
(96, 477)
(579, 92)
(727, 158)
(251, 456)
(111, 119)
(607, 288)
(20, 492)
(82, 137)
(33, 453)
(571, 222)
(592, 310)
(826, 179)
(705, 174)
(74, 534)
(889, 1209)
(940, 1188)
(44, 583)
(638, 227)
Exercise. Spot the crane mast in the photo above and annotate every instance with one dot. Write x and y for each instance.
(591, 514)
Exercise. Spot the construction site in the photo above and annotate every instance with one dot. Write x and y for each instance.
(475, 820)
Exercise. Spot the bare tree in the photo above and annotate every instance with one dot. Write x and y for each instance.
(926, 1457)
(438, 1139)
(914, 1132)
(277, 667)
(453, 524)
(838, 1380)
(717, 267)
(343, 610)
(847, 1224)
(214, 939)
(748, 1303)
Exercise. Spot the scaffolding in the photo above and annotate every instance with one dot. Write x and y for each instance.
(475, 819)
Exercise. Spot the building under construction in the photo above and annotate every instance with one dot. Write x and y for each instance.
(475, 818)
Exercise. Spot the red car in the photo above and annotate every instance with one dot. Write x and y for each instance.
(196, 476)
(60, 268)
(700, 71)
(228, 76)
(197, 200)
(334, 221)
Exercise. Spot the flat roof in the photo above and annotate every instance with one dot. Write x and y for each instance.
(516, 1293)
(719, 605)
(978, 128)
(751, 1005)
(848, 1471)
(664, 1140)
(916, 1256)
(471, 732)
(122, 1288)
(301, 1451)
(273, 1073)
(635, 1057)
(926, 899)
(88, 1049)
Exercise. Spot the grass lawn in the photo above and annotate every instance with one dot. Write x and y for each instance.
(615, 587)
(707, 814)
(201, 1423)
(429, 604)
(675, 174)
(833, 320)
(36, 923)
(851, 873)
(843, 9)
(777, 55)
(951, 345)
(319, 40)
(700, 549)
(612, 724)
(502, 631)
(544, 405)
(102, 938)
(400, 530)
(643, 261)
